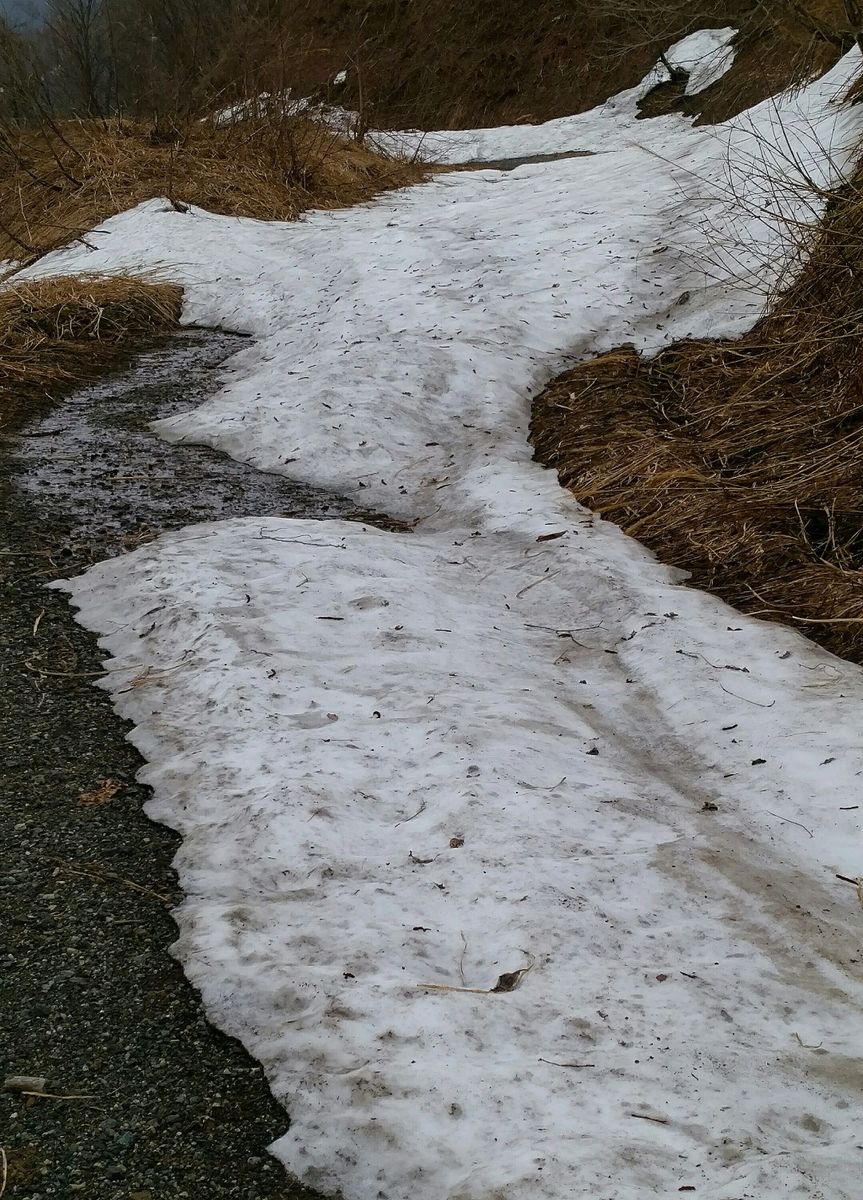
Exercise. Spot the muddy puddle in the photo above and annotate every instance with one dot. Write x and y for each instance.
(105, 482)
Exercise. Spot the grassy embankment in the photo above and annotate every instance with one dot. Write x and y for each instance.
(740, 461)
(61, 179)
(434, 64)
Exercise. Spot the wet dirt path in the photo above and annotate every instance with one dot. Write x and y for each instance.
(90, 998)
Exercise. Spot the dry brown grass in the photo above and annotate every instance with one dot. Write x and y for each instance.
(440, 64)
(60, 180)
(739, 461)
(58, 333)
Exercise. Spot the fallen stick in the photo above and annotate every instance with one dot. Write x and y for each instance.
(109, 877)
(574, 1066)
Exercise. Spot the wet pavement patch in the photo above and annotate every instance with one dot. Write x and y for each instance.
(145, 1099)
(104, 482)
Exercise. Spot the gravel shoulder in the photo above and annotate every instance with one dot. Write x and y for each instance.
(162, 1105)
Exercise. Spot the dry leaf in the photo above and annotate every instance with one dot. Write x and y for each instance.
(107, 789)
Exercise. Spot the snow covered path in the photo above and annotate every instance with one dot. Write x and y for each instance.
(480, 752)
(406, 760)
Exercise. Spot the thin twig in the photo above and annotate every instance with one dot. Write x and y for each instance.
(746, 700)
(779, 817)
(108, 877)
(574, 1066)
(535, 583)
(805, 1046)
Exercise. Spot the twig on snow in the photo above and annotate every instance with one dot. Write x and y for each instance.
(574, 1066)
(757, 703)
(805, 1046)
(420, 810)
(536, 583)
(507, 982)
(779, 817)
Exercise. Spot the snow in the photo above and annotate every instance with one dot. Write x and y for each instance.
(327, 708)
(276, 104)
(707, 55)
(441, 757)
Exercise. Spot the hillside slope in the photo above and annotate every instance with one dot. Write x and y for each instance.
(438, 64)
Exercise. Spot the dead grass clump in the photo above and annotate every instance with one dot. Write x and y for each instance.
(57, 333)
(61, 179)
(741, 462)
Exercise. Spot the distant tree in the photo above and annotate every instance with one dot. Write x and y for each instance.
(20, 76)
(77, 31)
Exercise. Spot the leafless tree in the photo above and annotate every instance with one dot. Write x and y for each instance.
(78, 30)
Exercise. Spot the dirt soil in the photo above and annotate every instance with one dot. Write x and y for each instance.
(163, 1106)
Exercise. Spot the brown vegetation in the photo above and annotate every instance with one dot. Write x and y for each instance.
(742, 461)
(437, 64)
(427, 63)
(60, 179)
(60, 332)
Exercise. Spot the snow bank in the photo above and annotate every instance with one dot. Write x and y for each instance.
(451, 757)
(408, 760)
(706, 55)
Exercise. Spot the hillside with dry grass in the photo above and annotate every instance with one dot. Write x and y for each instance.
(60, 178)
(432, 63)
(426, 64)
(742, 461)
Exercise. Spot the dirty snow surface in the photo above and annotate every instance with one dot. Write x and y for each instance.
(512, 860)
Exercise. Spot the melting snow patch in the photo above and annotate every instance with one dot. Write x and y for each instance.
(706, 56)
(512, 860)
(479, 863)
